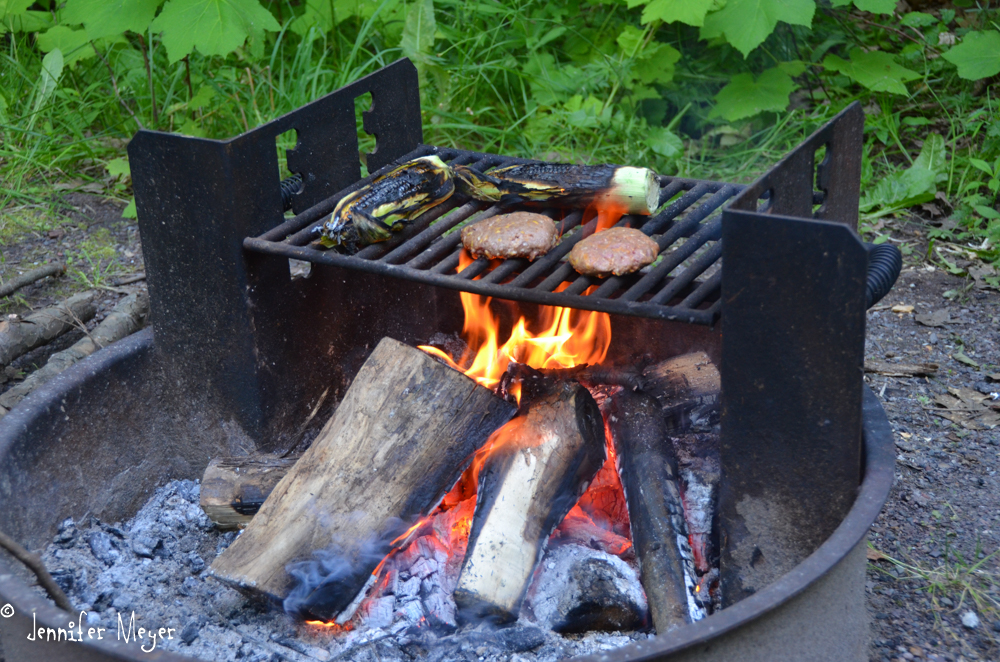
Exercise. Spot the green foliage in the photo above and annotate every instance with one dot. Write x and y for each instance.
(215, 27)
(747, 23)
(875, 70)
(915, 185)
(110, 18)
(706, 88)
(745, 97)
(978, 56)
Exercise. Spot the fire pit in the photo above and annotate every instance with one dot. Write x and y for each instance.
(241, 353)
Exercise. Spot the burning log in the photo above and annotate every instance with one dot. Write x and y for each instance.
(234, 488)
(648, 470)
(688, 388)
(538, 466)
(405, 431)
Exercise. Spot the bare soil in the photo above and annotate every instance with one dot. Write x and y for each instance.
(934, 549)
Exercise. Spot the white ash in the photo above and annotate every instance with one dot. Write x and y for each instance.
(579, 588)
(153, 565)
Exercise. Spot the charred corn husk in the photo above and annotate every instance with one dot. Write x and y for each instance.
(372, 213)
(633, 189)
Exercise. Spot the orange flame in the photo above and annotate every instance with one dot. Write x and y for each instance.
(566, 338)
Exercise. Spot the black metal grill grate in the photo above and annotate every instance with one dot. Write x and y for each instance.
(683, 284)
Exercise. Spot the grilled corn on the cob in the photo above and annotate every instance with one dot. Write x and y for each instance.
(372, 213)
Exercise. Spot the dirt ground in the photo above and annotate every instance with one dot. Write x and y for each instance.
(934, 549)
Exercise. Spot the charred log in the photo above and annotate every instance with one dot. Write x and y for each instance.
(687, 387)
(537, 468)
(648, 469)
(405, 431)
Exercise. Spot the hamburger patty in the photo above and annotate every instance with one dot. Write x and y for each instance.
(617, 251)
(519, 234)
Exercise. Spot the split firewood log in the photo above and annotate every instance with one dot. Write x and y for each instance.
(536, 469)
(234, 488)
(648, 470)
(19, 337)
(687, 388)
(406, 429)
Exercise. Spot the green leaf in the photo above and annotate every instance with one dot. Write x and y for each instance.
(201, 98)
(918, 19)
(664, 142)
(656, 64)
(28, 21)
(691, 12)
(987, 212)
(747, 23)
(129, 211)
(14, 7)
(912, 186)
(74, 44)
(793, 67)
(214, 27)
(744, 97)
(876, 6)
(418, 32)
(630, 40)
(933, 156)
(876, 70)
(324, 14)
(118, 168)
(52, 68)
(107, 18)
(916, 121)
(3, 109)
(982, 165)
(978, 56)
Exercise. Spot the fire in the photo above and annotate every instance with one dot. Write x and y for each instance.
(566, 338)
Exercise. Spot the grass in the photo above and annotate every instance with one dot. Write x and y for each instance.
(496, 80)
(968, 585)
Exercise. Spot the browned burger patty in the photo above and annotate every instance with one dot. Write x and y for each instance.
(617, 251)
(520, 234)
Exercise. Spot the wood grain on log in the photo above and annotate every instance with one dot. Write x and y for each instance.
(234, 488)
(648, 470)
(539, 465)
(687, 388)
(21, 336)
(404, 432)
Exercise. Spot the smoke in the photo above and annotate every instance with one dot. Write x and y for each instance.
(336, 577)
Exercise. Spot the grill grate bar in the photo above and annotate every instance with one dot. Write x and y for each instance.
(682, 229)
(448, 243)
(698, 267)
(429, 250)
(448, 221)
(703, 291)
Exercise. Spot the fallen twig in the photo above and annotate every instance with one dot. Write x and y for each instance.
(127, 318)
(15, 284)
(21, 336)
(131, 279)
(34, 563)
